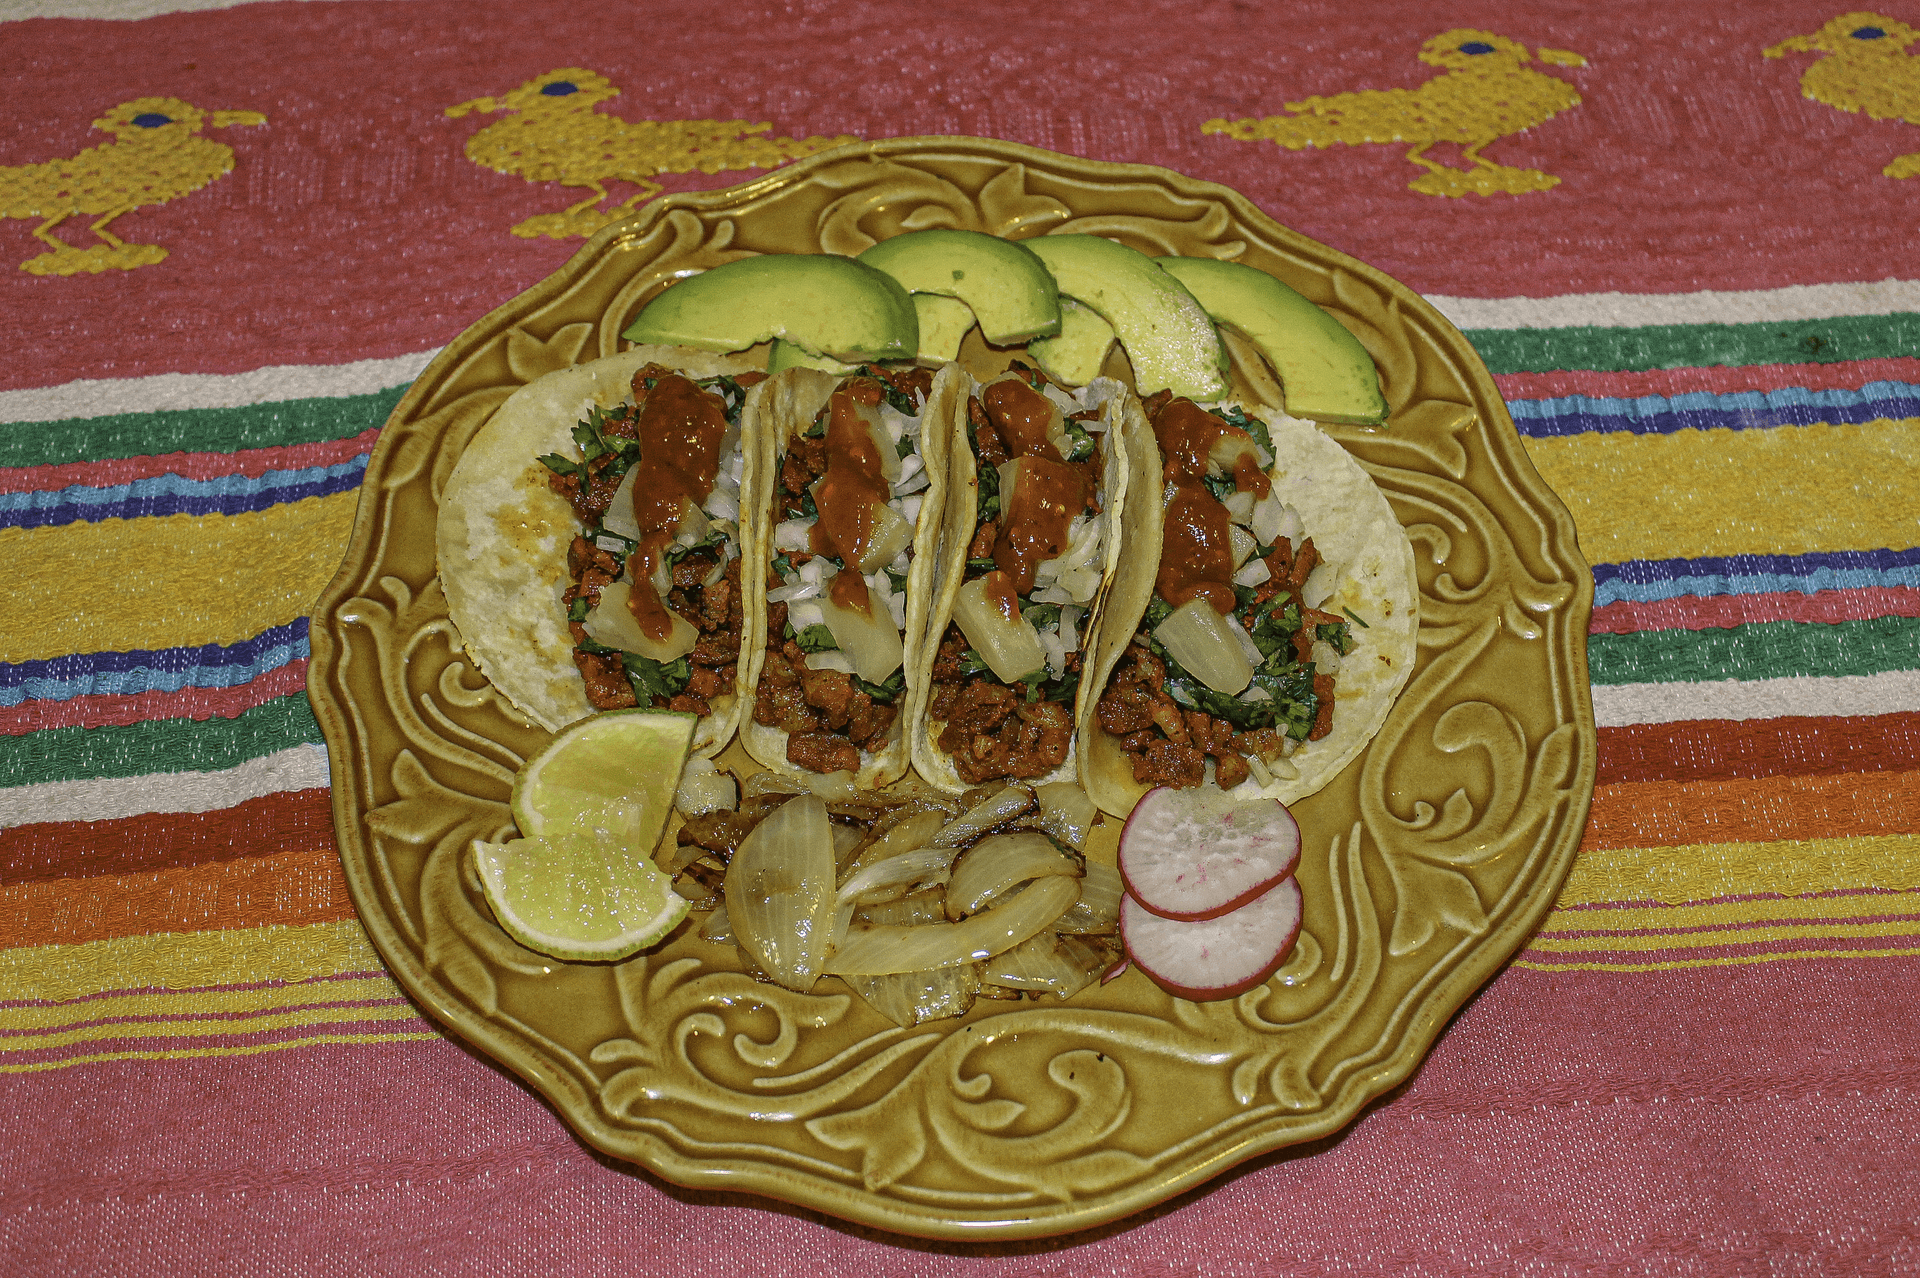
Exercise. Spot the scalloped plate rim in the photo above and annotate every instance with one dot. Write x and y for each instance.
(562, 1089)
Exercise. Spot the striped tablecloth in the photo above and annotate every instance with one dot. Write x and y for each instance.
(1689, 266)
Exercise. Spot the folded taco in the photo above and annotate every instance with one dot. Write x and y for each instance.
(1038, 481)
(1263, 620)
(849, 532)
(590, 539)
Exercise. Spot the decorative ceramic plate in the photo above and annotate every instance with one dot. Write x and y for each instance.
(1428, 861)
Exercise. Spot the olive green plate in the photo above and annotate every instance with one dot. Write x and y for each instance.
(1427, 864)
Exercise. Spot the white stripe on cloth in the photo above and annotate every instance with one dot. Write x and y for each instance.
(301, 767)
(175, 391)
(1641, 310)
(1621, 705)
(100, 10)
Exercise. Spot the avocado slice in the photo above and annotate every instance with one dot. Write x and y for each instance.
(944, 321)
(1326, 375)
(1168, 336)
(825, 304)
(785, 355)
(1008, 289)
(1080, 352)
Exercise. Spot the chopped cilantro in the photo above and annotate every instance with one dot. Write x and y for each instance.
(1041, 687)
(1337, 635)
(1041, 615)
(906, 447)
(971, 664)
(559, 465)
(902, 401)
(652, 679)
(815, 638)
(989, 503)
(713, 543)
(594, 443)
(1274, 627)
(1291, 705)
(885, 693)
(980, 565)
(649, 678)
(1252, 425)
(1356, 617)
(897, 581)
(1082, 442)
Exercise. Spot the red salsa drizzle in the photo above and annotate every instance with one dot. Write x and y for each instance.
(680, 427)
(1196, 556)
(1047, 495)
(846, 496)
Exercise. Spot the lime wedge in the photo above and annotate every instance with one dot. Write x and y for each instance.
(581, 884)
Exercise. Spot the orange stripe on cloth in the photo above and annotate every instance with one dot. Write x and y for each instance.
(1642, 814)
(288, 888)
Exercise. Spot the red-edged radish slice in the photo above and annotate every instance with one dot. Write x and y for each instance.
(1198, 853)
(1214, 958)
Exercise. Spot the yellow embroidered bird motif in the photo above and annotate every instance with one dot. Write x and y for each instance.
(157, 155)
(1866, 69)
(1487, 93)
(554, 134)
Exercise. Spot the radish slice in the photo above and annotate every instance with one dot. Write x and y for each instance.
(1214, 958)
(1198, 853)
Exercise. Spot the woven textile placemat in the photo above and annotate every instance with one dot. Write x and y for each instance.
(1682, 238)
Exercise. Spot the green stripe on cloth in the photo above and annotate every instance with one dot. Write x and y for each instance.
(1814, 341)
(157, 745)
(195, 430)
(1762, 650)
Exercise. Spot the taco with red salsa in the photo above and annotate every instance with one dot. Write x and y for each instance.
(1039, 480)
(591, 539)
(1264, 617)
(849, 530)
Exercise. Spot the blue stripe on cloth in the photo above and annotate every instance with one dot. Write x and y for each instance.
(163, 669)
(172, 495)
(1704, 410)
(1648, 580)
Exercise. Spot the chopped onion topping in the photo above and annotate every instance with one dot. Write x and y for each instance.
(791, 534)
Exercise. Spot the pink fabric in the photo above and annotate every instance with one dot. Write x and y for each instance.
(1710, 1121)
(1547, 1133)
(363, 231)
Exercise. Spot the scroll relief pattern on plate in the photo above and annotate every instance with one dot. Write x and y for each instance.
(1404, 893)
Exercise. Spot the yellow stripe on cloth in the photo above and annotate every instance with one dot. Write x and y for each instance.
(178, 581)
(200, 1053)
(1680, 921)
(185, 961)
(197, 994)
(1907, 931)
(36, 1025)
(1703, 871)
(1788, 490)
(1809, 890)
(1719, 960)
